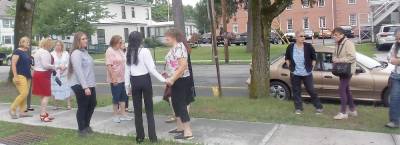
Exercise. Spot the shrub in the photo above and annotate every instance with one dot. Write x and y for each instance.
(5, 50)
(152, 43)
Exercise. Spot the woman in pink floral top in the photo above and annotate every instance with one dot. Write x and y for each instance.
(179, 79)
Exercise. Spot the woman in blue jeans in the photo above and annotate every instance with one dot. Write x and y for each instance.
(394, 106)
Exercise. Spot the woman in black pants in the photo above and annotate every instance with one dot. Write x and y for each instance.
(179, 78)
(139, 64)
(83, 82)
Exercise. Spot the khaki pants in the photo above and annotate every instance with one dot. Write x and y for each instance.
(23, 89)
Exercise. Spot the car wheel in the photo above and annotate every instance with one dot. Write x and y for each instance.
(386, 97)
(279, 90)
(245, 43)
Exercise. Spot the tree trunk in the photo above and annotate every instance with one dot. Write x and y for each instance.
(179, 20)
(225, 28)
(249, 46)
(259, 86)
(23, 23)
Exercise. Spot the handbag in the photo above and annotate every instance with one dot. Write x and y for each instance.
(341, 69)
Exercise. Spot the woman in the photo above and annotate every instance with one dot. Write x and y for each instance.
(61, 62)
(138, 66)
(115, 62)
(41, 84)
(21, 68)
(394, 106)
(83, 82)
(345, 52)
(180, 81)
(300, 58)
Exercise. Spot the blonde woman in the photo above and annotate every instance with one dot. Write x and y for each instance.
(61, 62)
(83, 82)
(41, 84)
(21, 68)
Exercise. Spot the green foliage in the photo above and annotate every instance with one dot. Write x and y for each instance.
(68, 16)
(159, 11)
(201, 17)
(189, 12)
(5, 50)
(152, 43)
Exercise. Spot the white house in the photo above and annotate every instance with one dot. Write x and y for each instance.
(157, 29)
(6, 25)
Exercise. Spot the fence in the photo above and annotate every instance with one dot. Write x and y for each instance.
(96, 48)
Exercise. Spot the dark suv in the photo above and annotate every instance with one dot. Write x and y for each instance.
(240, 39)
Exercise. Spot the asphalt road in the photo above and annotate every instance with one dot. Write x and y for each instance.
(233, 79)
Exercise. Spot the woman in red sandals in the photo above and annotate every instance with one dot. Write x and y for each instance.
(41, 84)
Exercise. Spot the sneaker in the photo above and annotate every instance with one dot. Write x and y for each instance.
(392, 125)
(181, 136)
(116, 120)
(298, 112)
(353, 113)
(125, 118)
(319, 111)
(341, 116)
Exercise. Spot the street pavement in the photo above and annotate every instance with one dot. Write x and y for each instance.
(217, 132)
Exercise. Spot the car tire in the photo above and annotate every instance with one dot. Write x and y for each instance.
(386, 97)
(279, 90)
(245, 43)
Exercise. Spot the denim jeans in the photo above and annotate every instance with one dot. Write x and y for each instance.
(309, 85)
(394, 106)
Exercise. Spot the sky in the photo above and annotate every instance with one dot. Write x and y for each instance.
(188, 2)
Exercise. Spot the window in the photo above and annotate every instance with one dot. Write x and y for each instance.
(326, 61)
(353, 20)
(351, 1)
(7, 39)
(321, 3)
(123, 12)
(8, 23)
(126, 34)
(289, 7)
(147, 14)
(235, 28)
(101, 36)
(306, 23)
(306, 4)
(133, 12)
(290, 25)
(322, 22)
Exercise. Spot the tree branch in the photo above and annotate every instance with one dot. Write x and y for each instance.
(276, 8)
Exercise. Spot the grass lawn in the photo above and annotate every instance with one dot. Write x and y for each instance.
(69, 137)
(366, 49)
(271, 110)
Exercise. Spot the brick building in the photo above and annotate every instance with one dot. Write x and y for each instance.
(325, 14)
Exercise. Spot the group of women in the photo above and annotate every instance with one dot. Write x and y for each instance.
(128, 72)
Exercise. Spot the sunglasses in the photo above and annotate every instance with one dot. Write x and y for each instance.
(302, 36)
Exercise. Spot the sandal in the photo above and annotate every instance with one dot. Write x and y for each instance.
(50, 117)
(45, 118)
(13, 115)
(175, 131)
(170, 119)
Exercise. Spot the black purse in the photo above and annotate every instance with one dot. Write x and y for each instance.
(341, 69)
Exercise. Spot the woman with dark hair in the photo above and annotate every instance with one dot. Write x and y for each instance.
(138, 66)
(345, 52)
(394, 106)
(180, 80)
(83, 82)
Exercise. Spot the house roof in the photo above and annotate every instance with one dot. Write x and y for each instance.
(132, 2)
(4, 5)
(167, 23)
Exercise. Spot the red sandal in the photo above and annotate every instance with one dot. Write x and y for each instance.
(45, 118)
(50, 117)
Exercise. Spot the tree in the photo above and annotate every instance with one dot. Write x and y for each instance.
(179, 20)
(159, 11)
(189, 13)
(263, 13)
(23, 23)
(201, 17)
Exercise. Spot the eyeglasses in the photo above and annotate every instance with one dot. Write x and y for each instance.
(302, 36)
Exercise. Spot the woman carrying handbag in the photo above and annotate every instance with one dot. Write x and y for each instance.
(344, 66)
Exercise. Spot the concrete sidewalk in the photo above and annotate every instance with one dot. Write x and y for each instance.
(219, 132)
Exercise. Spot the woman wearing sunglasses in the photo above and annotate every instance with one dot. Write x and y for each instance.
(300, 58)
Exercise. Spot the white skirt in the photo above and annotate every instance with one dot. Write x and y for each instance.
(60, 92)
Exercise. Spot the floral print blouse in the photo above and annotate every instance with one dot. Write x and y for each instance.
(171, 60)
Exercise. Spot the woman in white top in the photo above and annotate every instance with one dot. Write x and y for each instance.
(41, 84)
(139, 64)
(61, 62)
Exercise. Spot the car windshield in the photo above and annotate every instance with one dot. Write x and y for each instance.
(390, 28)
(367, 61)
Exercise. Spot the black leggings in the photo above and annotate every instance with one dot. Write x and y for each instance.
(142, 88)
(86, 106)
(181, 95)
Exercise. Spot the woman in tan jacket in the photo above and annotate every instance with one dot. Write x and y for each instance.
(345, 52)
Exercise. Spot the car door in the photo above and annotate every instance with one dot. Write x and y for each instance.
(361, 84)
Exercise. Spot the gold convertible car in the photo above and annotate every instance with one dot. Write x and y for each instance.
(370, 82)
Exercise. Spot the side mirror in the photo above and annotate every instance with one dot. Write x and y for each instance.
(384, 64)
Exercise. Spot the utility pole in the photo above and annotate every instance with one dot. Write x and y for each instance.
(211, 11)
(225, 28)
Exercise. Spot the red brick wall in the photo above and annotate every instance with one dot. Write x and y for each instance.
(337, 16)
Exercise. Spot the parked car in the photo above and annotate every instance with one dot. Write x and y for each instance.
(3, 58)
(385, 37)
(325, 33)
(274, 38)
(8, 59)
(348, 31)
(369, 83)
(205, 39)
(309, 34)
(240, 39)
(291, 36)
